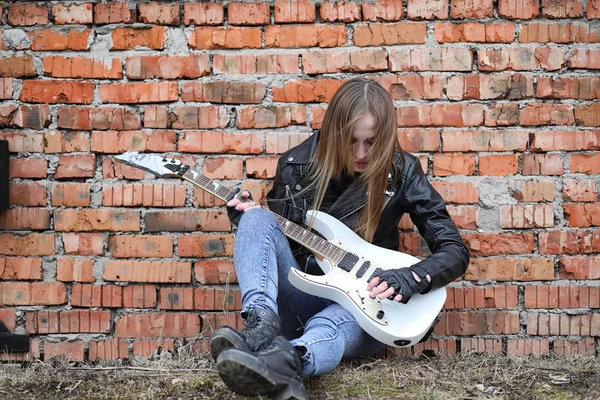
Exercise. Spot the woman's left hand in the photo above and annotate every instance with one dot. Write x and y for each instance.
(382, 289)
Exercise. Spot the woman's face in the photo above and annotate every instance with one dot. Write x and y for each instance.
(362, 141)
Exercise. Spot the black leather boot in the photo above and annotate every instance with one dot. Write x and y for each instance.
(273, 371)
(262, 325)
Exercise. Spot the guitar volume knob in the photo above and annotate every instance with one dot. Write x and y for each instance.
(380, 314)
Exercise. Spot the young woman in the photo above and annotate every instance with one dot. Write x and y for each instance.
(353, 169)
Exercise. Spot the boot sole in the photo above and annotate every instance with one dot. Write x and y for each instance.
(245, 374)
(225, 338)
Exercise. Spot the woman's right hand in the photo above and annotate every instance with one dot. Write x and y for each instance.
(235, 207)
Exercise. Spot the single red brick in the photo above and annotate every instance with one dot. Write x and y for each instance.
(72, 351)
(261, 167)
(259, 117)
(427, 9)
(313, 35)
(20, 268)
(25, 219)
(382, 10)
(484, 140)
(339, 11)
(79, 67)
(27, 14)
(434, 59)
(27, 194)
(546, 114)
(203, 13)
(563, 9)
(139, 296)
(108, 350)
(74, 269)
(158, 325)
(346, 61)
(582, 215)
(96, 219)
(83, 244)
(499, 243)
(542, 164)
(72, 14)
(574, 241)
(457, 192)
(453, 164)
(205, 245)
(33, 244)
(417, 140)
(518, 9)
(586, 163)
(214, 271)
(177, 298)
(168, 66)
(130, 38)
(532, 191)
(147, 271)
(71, 194)
(301, 91)
(27, 168)
(527, 216)
(76, 166)
(142, 92)
(224, 92)
(230, 37)
(510, 269)
(113, 12)
(186, 221)
(593, 9)
(81, 118)
(286, 11)
(580, 190)
(499, 165)
(248, 13)
(74, 39)
(255, 63)
(23, 142)
(461, 9)
(17, 67)
(195, 117)
(157, 13)
(145, 348)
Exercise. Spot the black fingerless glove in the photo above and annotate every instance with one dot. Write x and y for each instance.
(403, 282)
(233, 214)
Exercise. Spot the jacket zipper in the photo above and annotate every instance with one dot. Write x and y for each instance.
(288, 193)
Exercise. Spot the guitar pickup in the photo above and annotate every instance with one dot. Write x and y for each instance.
(363, 268)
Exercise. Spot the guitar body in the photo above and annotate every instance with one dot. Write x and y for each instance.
(400, 324)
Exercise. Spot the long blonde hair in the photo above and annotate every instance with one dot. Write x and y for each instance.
(334, 155)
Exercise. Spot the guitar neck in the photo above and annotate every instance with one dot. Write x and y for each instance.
(314, 243)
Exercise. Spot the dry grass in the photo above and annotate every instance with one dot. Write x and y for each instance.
(183, 376)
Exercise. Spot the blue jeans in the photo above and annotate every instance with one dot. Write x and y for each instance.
(262, 258)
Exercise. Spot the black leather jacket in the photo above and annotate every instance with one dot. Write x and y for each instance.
(410, 193)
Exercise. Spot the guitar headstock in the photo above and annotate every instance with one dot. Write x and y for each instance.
(160, 166)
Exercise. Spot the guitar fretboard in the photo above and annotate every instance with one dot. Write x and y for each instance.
(311, 241)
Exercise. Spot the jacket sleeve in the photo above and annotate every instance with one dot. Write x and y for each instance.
(427, 210)
(279, 201)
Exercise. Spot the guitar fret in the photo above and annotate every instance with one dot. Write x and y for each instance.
(294, 231)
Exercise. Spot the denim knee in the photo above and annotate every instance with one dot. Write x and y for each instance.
(257, 218)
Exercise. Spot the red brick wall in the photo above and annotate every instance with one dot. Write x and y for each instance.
(499, 99)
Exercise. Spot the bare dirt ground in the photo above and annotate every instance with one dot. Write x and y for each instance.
(475, 376)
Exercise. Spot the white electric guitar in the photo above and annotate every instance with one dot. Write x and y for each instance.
(346, 259)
